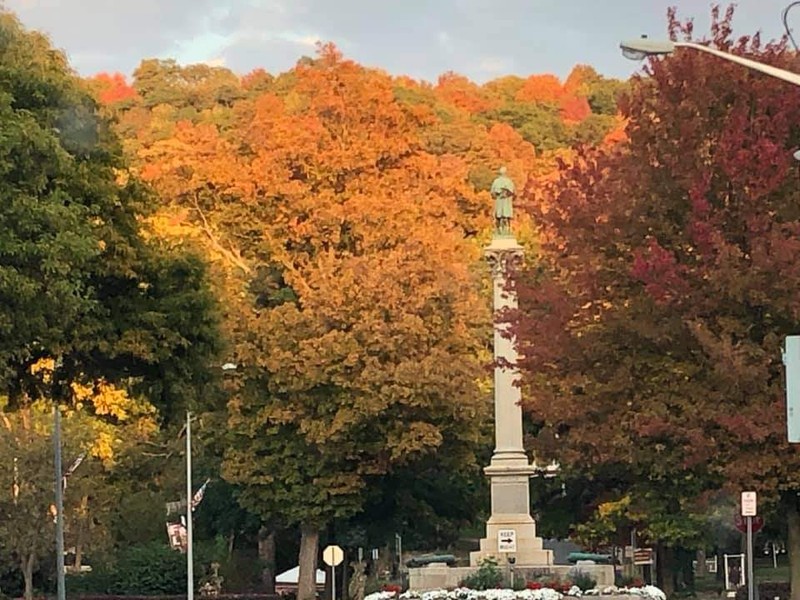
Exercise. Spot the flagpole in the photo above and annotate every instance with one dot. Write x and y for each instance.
(189, 554)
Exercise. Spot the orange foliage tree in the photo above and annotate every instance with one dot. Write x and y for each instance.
(541, 88)
(353, 306)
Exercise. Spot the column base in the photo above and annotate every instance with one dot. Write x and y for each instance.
(529, 553)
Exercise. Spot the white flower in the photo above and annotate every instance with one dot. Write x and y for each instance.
(468, 594)
(380, 596)
(611, 589)
(654, 592)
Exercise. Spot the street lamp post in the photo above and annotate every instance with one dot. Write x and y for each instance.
(644, 47)
(61, 589)
(189, 532)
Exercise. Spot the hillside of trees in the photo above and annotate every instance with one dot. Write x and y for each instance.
(295, 258)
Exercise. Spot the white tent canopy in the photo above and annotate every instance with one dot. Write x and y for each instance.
(292, 575)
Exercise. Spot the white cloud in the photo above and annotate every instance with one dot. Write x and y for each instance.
(495, 65)
(302, 39)
(219, 61)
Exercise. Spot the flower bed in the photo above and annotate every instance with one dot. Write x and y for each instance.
(648, 592)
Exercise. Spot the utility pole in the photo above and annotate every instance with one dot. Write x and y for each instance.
(60, 580)
(189, 553)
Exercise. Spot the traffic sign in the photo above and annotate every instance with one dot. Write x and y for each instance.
(749, 508)
(741, 523)
(643, 556)
(507, 540)
(333, 556)
(791, 359)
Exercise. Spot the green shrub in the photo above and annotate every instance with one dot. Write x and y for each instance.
(153, 568)
(488, 576)
(582, 579)
(99, 581)
(148, 570)
(519, 583)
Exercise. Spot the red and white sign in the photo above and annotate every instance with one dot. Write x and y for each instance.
(643, 556)
(741, 523)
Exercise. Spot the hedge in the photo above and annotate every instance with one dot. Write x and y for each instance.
(768, 591)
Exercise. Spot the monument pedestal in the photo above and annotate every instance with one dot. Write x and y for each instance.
(509, 475)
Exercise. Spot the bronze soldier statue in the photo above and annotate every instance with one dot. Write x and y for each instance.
(503, 192)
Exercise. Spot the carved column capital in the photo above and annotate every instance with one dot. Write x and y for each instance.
(504, 258)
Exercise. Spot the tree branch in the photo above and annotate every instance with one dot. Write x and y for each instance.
(232, 255)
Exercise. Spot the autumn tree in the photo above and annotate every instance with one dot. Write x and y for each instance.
(283, 187)
(651, 325)
(111, 88)
(197, 86)
(351, 300)
(463, 93)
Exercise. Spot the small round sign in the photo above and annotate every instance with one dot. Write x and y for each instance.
(333, 556)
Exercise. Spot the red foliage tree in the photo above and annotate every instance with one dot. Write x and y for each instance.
(652, 325)
(112, 88)
(574, 109)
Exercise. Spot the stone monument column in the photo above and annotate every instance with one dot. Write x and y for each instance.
(510, 531)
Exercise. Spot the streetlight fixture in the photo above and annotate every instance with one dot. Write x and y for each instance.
(644, 47)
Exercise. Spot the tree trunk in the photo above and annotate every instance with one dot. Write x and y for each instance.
(266, 554)
(83, 525)
(231, 543)
(78, 556)
(664, 569)
(27, 574)
(309, 547)
(701, 563)
(793, 522)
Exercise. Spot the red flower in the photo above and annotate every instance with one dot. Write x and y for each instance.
(534, 585)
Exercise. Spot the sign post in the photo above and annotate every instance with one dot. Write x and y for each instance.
(749, 510)
(333, 557)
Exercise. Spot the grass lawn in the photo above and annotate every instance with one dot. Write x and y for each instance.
(764, 571)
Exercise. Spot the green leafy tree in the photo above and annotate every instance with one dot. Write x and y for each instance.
(27, 532)
(79, 280)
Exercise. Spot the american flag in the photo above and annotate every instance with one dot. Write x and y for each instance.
(73, 467)
(198, 495)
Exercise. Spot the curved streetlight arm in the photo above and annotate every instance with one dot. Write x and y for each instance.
(643, 47)
(783, 74)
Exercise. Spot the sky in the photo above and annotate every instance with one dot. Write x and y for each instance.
(482, 39)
